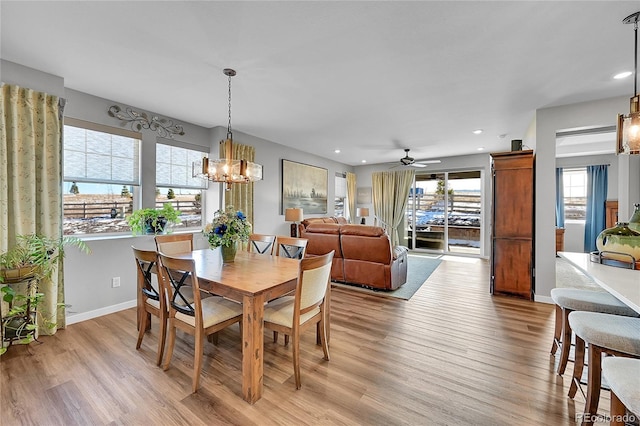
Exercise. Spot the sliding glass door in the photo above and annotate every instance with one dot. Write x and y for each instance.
(444, 212)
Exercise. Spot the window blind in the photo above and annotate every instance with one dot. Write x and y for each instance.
(99, 157)
(174, 167)
(340, 186)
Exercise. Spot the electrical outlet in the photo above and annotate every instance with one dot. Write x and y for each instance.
(115, 282)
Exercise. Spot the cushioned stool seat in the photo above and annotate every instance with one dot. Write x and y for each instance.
(623, 376)
(575, 299)
(612, 334)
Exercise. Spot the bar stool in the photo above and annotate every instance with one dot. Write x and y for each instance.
(622, 375)
(604, 333)
(568, 300)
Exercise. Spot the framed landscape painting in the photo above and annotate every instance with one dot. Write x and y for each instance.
(305, 187)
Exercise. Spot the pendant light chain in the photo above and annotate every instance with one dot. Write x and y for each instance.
(635, 64)
(229, 134)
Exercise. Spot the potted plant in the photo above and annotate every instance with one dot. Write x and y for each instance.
(152, 221)
(33, 258)
(226, 230)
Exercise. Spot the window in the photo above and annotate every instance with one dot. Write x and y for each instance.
(340, 194)
(101, 177)
(175, 182)
(575, 193)
(444, 212)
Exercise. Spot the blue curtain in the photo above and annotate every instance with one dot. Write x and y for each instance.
(597, 178)
(559, 199)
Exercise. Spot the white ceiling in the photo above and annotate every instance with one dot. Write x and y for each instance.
(368, 78)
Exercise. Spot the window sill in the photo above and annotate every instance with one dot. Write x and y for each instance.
(127, 235)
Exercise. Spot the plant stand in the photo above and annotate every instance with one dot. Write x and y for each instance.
(20, 325)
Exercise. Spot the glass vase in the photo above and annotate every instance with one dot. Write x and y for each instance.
(620, 239)
(228, 253)
(634, 222)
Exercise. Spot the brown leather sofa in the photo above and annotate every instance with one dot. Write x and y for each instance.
(332, 219)
(363, 254)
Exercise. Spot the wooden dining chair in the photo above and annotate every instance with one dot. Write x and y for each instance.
(150, 301)
(200, 318)
(293, 248)
(261, 244)
(293, 314)
(174, 243)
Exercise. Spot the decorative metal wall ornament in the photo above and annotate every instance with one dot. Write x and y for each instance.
(140, 120)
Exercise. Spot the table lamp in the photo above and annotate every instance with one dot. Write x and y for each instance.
(362, 212)
(295, 216)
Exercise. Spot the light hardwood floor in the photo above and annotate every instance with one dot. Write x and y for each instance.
(452, 355)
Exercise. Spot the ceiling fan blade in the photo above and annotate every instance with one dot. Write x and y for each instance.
(430, 162)
(417, 165)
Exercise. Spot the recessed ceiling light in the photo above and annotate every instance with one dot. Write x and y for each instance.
(477, 132)
(364, 161)
(337, 151)
(622, 75)
(481, 148)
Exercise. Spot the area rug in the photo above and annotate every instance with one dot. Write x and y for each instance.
(419, 268)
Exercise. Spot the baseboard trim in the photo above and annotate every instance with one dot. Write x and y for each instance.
(543, 299)
(84, 316)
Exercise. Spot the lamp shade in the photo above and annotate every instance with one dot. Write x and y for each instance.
(629, 133)
(362, 211)
(293, 215)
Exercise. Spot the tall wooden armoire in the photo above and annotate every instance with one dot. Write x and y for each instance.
(512, 227)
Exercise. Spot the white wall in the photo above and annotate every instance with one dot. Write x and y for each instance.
(12, 73)
(267, 201)
(598, 113)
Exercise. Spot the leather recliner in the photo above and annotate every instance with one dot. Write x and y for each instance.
(363, 254)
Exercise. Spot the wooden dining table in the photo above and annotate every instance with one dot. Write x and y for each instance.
(252, 280)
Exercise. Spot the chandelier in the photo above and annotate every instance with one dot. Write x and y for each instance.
(227, 170)
(628, 134)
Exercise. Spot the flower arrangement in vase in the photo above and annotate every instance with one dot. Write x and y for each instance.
(226, 230)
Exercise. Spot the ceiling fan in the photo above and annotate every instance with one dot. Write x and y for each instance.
(410, 161)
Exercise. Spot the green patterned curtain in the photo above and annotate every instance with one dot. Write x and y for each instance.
(31, 180)
(390, 195)
(351, 197)
(241, 194)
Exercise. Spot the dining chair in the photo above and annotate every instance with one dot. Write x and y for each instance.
(260, 243)
(200, 318)
(174, 243)
(293, 248)
(622, 375)
(150, 301)
(604, 334)
(568, 300)
(293, 314)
